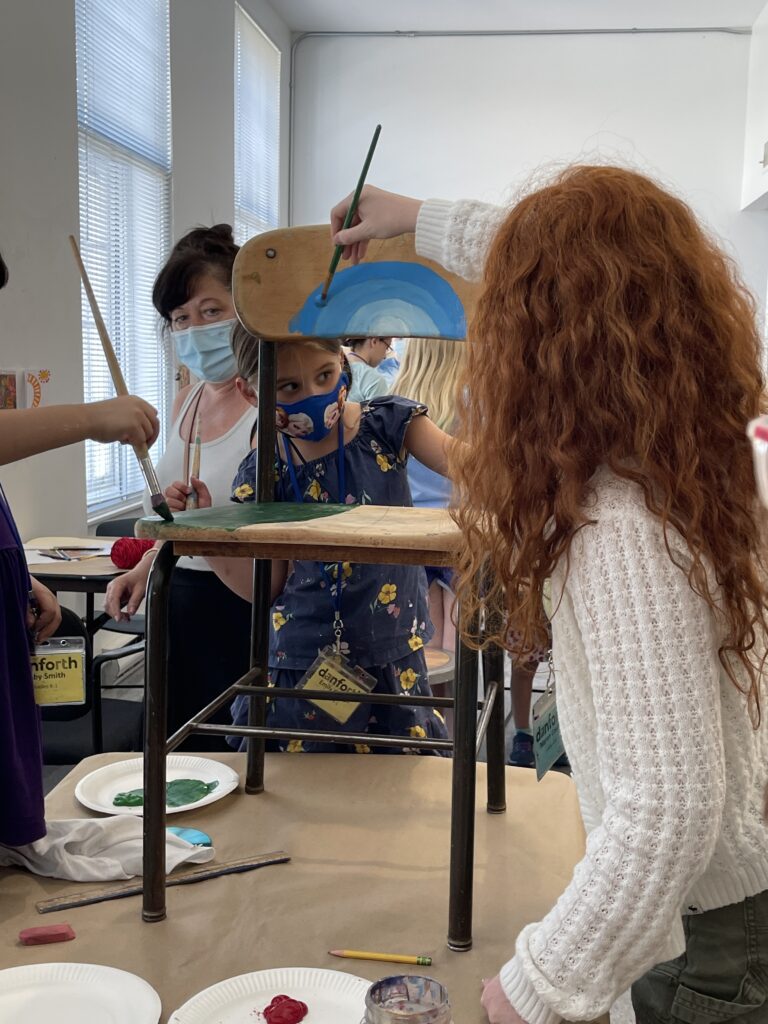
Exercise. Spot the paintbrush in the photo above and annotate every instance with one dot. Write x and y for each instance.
(350, 214)
(192, 496)
(142, 453)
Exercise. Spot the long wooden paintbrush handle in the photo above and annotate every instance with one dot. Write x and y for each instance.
(106, 343)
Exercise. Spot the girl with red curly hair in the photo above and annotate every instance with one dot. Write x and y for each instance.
(613, 364)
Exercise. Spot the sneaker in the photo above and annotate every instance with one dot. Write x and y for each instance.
(521, 755)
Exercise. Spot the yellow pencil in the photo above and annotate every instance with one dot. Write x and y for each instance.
(192, 497)
(393, 958)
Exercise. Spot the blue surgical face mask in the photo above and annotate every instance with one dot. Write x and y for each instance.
(313, 418)
(207, 351)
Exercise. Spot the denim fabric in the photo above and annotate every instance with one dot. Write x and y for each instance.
(721, 977)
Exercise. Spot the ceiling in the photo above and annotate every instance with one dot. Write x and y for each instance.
(520, 15)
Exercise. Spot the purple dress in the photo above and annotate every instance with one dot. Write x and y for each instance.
(22, 818)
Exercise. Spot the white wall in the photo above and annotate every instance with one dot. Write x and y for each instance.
(755, 190)
(202, 98)
(40, 308)
(471, 116)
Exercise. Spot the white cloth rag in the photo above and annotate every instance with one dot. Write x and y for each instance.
(97, 849)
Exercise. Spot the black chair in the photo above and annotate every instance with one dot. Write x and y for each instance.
(73, 732)
(121, 528)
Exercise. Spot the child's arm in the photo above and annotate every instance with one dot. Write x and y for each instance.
(25, 432)
(429, 444)
(236, 573)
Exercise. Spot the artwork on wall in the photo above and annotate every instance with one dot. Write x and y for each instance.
(22, 389)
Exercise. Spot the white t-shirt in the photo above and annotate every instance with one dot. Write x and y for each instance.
(219, 460)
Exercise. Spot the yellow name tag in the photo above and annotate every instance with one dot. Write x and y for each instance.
(332, 673)
(58, 671)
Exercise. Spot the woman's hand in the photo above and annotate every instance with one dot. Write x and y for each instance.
(44, 619)
(176, 494)
(129, 590)
(498, 1008)
(379, 214)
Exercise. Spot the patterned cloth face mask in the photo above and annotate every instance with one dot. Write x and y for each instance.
(313, 418)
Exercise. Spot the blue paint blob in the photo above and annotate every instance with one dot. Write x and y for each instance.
(391, 298)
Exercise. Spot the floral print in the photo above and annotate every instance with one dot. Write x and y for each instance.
(406, 675)
(379, 602)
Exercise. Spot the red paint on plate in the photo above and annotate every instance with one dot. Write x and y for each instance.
(284, 1010)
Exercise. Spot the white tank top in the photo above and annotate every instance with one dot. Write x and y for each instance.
(219, 460)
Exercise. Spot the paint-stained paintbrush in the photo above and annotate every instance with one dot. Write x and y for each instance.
(350, 214)
(192, 496)
(142, 453)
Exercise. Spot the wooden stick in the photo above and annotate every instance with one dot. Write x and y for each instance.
(198, 874)
(142, 452)
(192, 496)
(350, 213)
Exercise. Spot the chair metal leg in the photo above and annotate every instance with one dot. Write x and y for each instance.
(155, 727)
(495, 744)
(262, 569)
(463, 797)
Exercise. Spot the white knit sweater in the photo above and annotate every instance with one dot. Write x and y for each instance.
(669, 771)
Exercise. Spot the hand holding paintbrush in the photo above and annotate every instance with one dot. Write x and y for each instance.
(192, 499)
(142, 453)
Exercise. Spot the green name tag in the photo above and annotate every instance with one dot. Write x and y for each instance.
(547, 744)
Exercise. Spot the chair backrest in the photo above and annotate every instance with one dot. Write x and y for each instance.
(117, 527)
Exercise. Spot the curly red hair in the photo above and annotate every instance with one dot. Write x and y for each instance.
(611, 331)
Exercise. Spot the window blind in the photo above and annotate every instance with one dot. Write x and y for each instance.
(257, 129)
(124, 149)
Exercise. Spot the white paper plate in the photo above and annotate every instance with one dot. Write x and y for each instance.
(332, 997)
(99, 788)
(76, 994)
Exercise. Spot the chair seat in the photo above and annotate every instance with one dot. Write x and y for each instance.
(65, 742)
(133, 628)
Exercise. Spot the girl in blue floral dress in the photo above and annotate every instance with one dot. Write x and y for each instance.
(332, 450)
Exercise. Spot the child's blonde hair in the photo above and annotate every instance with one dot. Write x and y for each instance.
(429, 373)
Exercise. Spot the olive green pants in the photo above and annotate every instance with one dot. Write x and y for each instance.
(721, 977)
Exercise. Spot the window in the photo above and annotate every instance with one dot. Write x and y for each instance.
(124, 149)
(257, 129)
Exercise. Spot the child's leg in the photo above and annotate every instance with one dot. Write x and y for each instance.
(449, 628)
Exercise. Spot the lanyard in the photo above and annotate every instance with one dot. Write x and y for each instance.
(338, 624)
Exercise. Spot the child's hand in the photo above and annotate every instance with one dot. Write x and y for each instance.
(176, 494)
(127, 419)
(44, 619)
(129, 590)
(379, 214)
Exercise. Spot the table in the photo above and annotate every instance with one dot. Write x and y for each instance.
(89, 576)
(337, 816)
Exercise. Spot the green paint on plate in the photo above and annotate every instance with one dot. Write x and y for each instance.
(233, 516)
(178, 793)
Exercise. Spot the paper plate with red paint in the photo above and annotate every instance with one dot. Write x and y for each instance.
(332, 997)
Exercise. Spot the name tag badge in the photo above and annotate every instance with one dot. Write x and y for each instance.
(58, 671)
(547, 744)
(333, 673)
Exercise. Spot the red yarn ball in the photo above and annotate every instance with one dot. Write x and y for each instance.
(127, 551)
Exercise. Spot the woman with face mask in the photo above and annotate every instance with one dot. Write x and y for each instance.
(209, 625)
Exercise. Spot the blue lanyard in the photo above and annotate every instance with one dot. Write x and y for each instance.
(341, 498)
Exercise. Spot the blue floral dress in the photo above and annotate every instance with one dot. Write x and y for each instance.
(383, 607)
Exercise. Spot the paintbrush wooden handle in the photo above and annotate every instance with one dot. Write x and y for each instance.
(106, 343)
